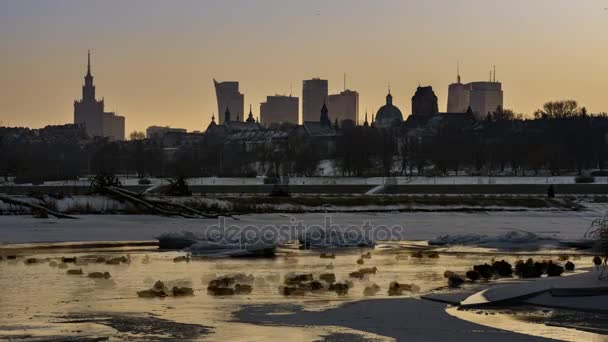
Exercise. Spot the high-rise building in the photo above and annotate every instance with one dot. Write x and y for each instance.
(344, 106)
(229, 98)
(481, 97)
(314, 96)
(90, 112)
(485, 98)
(458, 97)
(424, 102)
(279, 109)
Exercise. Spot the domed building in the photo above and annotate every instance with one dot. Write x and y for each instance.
(388, 113)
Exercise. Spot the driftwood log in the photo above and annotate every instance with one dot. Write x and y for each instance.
(161, 207)
(35, 207)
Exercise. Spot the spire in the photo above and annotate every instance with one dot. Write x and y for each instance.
(458, 72)
(250, 118)
(89, 63)
(325, 121)
(227, 115)
(88, 90)
(365, 123)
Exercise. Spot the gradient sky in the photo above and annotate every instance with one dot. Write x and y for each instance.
(154, 60)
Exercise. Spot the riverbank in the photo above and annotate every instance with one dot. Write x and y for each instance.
(97, 204)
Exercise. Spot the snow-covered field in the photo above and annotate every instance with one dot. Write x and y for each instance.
(407, 226)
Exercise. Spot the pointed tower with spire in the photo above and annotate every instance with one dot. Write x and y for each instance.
(88, 89)
(88, 111)
(250, 118)
(365, 123)
(324, 119)
(227, 115)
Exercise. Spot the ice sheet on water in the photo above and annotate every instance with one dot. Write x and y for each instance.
(224, 249)
(512, 240)
(237, 245)
(335, 238)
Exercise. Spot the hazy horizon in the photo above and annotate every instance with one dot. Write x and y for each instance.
(154, 61)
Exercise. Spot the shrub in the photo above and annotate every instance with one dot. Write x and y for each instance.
(599, 232)
(178, 187)
(104, 180)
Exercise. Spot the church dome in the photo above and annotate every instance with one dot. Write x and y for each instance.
(388, 113)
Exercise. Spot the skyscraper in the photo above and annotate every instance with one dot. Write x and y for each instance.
(279, 109)
(90, 112)
(314, 96)
(229, 98)
(344, 106)
(485, 98)
(482, 97)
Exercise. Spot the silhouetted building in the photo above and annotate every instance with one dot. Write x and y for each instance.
(324, 119)
(388, 114)
(279, 109)
(458, 97)
(158, 132)
(481, 97)
(229, 97)
(90, 112)
(344, 106)
(314, 96)
(424, 102)
(485, 98)
(250, 118)
(227, 117)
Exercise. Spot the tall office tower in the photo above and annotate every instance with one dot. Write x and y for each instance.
(485, 98)
(279, 109)
(458, 97)
(344, 106)
(229, 98)
(90, 112)
(482, 97)
(424, 102)
(314, 96)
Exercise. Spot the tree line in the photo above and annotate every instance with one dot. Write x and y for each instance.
(562, 137)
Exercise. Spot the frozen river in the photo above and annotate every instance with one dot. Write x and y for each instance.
(564, 225)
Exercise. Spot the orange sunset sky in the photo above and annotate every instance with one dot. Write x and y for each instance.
(154, 60)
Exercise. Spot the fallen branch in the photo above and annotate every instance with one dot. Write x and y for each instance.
(36, 207)
(156, 204)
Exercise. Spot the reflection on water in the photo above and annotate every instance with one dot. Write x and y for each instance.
(40, 300)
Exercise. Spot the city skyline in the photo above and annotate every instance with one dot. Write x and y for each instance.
(149, 86)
